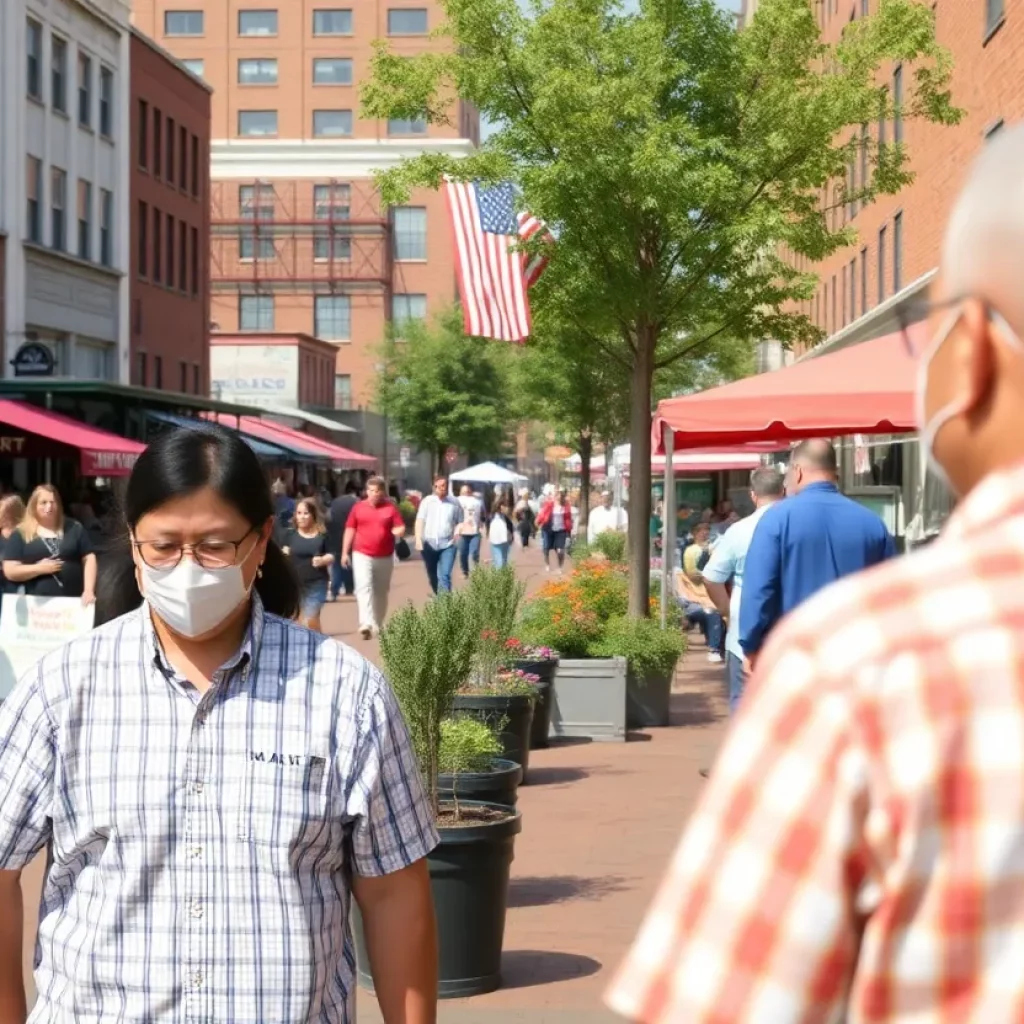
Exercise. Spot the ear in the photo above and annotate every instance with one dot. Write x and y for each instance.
(974, 356)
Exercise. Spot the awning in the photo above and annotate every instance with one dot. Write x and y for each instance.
(262, 449)
(101, 453)
(487, 473)
(864, 389)
(286, 412)
(303, 446)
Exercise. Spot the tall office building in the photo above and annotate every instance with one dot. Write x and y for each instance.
(300, 242)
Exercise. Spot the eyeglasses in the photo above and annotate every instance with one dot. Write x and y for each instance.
(210, 554)
(914, 318)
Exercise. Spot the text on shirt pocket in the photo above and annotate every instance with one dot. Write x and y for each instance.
(283, 799)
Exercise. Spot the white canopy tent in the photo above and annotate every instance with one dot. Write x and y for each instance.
(487, 473)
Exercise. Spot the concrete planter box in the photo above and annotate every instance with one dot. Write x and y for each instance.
(647, 700)
(589, 699)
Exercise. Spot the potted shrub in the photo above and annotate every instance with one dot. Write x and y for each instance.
(471, 766)
(541, 662)
(504, 703)
(427, 653)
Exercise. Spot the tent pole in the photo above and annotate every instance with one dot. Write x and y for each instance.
(668, 530)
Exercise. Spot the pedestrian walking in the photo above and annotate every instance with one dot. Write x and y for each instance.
(555, 522)
(803, 544)
(857, 855)
(605, 518)
(471, 529)
(524, 518)
(12, 511)
(49, 554)
(305, 543)
(342, 581)
(499, 533)
(437, 521)
(214, 783)
(369, 548)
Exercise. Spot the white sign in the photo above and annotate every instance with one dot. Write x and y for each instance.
(256, 374)
(31, 627)
(404, 457)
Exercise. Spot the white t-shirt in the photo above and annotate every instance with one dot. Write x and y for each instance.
(498, 533)
(603, 519)
(472, 513)
(557, 518)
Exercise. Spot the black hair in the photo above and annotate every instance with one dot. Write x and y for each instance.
(178, 463)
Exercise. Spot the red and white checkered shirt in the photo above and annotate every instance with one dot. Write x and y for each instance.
(858, 854)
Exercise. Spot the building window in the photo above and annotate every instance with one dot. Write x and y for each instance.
(863, 281)
(882, 118)
(195, 261)
(332, 71)
(84, 219)
(58, 205)
(59, 74)
(34, 54)
(143, 240)
(182, 256)
(84, 89)
(158, 142)
(143, 134)
(994, 12)
(410, 307)
(897, 252)
(170, 250)
(342, 391)
(183, 23)
(158, 235)
(142, 371)
(257, 122)
(170, 151)
(882, 239)
(255, 312)
(257, 71)
(332, 317)
(195, 66)
(33, 192)
(410, 232)
(332, 21)
(410, 21)
(158, 372)
(257, 23)
(182, 157)
(256, 203)
(897, 101)
(405, 126)
(195, 379)
(835, 300)
(195, 166)
(331, 203)
(183, 377)
(106, 102)
(331, 124)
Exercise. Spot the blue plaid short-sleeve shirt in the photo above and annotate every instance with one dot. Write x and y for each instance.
(202, 846)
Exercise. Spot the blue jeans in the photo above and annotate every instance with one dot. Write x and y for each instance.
(469, 547)
(439, 562)
(737, 680)
(710, 623)
(341, 578)
(499, 554)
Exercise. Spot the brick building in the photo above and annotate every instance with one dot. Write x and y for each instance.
(300, 241)
(170, 223)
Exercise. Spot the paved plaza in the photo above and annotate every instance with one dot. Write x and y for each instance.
(600, 821)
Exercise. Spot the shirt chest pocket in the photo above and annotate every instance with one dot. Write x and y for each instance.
(283, 801)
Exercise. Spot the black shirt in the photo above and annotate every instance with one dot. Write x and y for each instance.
(302, 551)
(340, 509)
(72, 547)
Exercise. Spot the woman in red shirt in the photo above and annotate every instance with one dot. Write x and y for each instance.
(369, 548)
(555, 522)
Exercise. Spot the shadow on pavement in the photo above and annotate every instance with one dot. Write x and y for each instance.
(525, 968)
(543, 891)
(692, 709)
(554, 776)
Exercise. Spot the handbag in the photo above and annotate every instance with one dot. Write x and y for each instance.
(402, 551)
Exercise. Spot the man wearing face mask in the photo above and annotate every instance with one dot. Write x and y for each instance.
(859, 853)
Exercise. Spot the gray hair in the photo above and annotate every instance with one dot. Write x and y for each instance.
(767, 482)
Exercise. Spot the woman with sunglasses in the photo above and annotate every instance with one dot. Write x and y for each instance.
(214, 781)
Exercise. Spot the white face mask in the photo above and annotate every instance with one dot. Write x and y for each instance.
(192, 600)
(929, 429)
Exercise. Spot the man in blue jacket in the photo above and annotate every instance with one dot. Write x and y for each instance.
(814, 538)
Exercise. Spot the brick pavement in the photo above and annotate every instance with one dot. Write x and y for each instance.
(600, 822)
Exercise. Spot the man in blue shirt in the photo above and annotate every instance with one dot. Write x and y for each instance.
(801, 545)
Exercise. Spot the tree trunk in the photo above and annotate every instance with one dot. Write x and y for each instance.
(640, 473)
(586, 448)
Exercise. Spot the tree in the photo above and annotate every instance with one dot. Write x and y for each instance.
(442, 388)
(681, 164)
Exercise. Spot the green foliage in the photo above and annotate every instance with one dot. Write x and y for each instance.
(493, 598)
(428, 654)
(649, 649)
(442, 388)
(467, 745)
(681, 164)
(407, 511)
(611, 544)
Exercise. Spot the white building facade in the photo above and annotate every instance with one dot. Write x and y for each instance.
(64, 186)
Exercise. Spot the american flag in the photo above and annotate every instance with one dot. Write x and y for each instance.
(493, 277)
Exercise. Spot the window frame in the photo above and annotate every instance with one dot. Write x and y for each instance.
(34, 60)
(106, 102)
(420, 235)
(883, 239)
(333, 10)
(261, 298)
(346, 61)
(272, 61)
(58, 211)
(201, 61)
(258, 35)
(392, 11)
(142, 241)
(84, 91)
(347, 377)
(83, 204)
(346, 304)
(406, 298)
(59, 74)
(897, 252)
(333, 135)
(142, 149)
(412, 128)
(185, 12)
(257, 135)
(330, 245)
(34, 205)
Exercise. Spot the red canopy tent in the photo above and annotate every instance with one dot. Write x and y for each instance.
(865, 389)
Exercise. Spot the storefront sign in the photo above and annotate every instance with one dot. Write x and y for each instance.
(256, 374)
(31, 627)
(96, 463)
(13, 446)
(33, 359)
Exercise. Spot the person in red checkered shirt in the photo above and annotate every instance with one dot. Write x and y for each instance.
(858, 854)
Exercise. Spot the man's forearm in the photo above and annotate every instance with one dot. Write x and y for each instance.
(719, 596)
(346, 543)
(13, 1007)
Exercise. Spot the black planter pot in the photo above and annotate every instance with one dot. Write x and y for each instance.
(498, 786)
(541, 725)
(647, 700)
(469, 875)
(517, 713)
